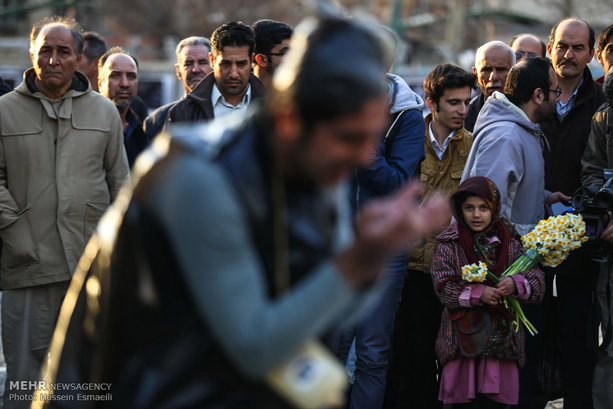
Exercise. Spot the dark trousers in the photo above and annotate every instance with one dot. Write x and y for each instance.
(480, 402)
(372, 340)
(570, 347)
(578, 337)
(412, 379)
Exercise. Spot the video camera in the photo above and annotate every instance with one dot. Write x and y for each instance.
(594, 205)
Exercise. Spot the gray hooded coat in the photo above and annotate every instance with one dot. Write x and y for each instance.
(507, 149)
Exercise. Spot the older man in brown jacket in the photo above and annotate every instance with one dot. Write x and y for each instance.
(62, 163)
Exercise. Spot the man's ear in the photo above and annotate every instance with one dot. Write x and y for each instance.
(212, 60)
(261, 60)
(178, 72)
(431, 104)
(538, 96)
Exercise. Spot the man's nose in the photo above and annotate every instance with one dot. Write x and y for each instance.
(463, 109)
(197, 67)
(123, 81)
(53, 58)
(234, 70)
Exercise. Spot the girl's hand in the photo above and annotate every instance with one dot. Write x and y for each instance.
(507, 286)
(491, 295)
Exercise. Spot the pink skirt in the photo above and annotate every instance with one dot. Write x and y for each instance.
(463, 379)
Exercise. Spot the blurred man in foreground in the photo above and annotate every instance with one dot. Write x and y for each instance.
(199, 299)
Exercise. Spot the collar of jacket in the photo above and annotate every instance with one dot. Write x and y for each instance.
(586, 90)
(79, 86)
(202, 93)
(459, 134)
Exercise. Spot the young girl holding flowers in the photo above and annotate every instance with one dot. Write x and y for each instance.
(478, 343)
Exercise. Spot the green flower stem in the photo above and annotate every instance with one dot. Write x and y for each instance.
(525, 262)
(519, 313)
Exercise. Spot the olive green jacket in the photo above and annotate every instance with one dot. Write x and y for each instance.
(61, 165)
(443, 175)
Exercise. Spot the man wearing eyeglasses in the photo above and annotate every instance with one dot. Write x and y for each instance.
(507, 142)
(527, 45)
(271, 45)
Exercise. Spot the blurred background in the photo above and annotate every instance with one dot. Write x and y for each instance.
(432, 31)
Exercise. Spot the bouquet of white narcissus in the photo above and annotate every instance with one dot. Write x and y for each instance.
(475, 273)
(553, 239)
(549, 243)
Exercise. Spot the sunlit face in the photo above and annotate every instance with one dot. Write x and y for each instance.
(232, 67)
(451, 109)
(492, 69)
(570, 51)
(118, 80)
(54, 59)
(477, 213)
(527, 46)
(605, 55)
(193, 65)
(333, 149)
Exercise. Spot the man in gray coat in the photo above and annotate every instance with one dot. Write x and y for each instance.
(62, 163)
(507, 142)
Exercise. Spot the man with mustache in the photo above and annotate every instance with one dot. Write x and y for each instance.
(62, 163)
(192, 66)
(231, 87)
(493, 61)
(571, 46)
(118, 81)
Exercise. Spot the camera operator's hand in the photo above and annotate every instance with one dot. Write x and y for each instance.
(607, 233)
(387, 225)
(556, 197)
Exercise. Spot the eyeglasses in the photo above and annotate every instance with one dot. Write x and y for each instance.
(281, 54)
(557, 92)
(524, 54)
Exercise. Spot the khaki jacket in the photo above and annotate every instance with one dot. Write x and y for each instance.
(443, 175)
(61, 165)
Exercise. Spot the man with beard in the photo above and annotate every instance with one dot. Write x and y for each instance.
(231, 87)
(493, 61)
(571, 46)
(271, 45)
(507, 142)
(118, 81)
(192, 66)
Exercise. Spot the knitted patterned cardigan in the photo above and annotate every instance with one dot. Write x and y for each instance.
(446, 274)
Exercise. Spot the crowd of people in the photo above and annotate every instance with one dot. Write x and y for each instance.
(272, 210)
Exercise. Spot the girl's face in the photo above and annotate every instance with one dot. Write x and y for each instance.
(477, 213)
